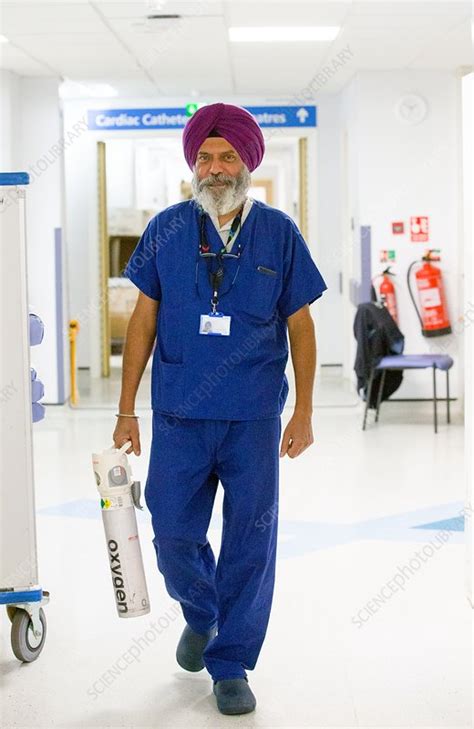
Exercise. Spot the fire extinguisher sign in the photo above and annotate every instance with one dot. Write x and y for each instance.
(419, 230)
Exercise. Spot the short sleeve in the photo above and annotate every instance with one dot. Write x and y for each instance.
(141, 268)
(302, 283)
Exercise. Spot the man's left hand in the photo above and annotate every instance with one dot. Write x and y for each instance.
(298, 435)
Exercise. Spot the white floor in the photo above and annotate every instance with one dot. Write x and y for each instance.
(343, 649)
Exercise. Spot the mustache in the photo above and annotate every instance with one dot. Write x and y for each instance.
(212, 180)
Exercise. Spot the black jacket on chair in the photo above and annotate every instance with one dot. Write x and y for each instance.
(377, 335)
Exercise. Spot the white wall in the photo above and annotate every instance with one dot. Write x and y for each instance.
(398, 170)
(328, 200)
(9, 111)
(280, 164)
(31, 132)
(120, 174)
(349, 132)
(468, 209)
(82, 232)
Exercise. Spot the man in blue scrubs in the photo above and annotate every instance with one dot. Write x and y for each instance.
(224, 282)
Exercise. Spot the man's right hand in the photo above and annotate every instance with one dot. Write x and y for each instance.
(127, 429)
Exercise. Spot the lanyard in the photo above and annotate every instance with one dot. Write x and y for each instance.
(216, 277)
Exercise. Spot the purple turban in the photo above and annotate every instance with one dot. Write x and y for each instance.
(231, 122)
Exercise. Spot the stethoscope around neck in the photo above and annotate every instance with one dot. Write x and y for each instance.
(216, 276)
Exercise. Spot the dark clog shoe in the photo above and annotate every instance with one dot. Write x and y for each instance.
(191, 647)
(234, 696)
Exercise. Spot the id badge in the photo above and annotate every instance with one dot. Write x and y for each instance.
(215, 323)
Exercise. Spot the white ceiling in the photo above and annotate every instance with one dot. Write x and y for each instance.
(113, 42)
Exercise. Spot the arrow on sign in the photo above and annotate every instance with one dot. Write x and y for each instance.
(302, 115)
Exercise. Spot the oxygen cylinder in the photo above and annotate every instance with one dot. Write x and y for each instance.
(119, 495)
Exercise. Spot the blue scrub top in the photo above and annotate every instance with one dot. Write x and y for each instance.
(235, 377)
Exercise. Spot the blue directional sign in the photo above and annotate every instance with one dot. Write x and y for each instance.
(284, 116)
(176, 118)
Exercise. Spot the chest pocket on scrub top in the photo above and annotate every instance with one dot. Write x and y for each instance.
(259, 287)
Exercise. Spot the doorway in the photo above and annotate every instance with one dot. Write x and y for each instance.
(139, 177)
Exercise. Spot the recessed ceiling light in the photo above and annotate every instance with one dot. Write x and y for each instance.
(4, 39)
(276, 34)
(163, 17)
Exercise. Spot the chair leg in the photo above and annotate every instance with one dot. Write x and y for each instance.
(379, 395)
(435, 403)
(447, 397)
(368, 396)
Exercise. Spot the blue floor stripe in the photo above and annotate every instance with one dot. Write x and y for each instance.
(456, 524)
(298, 538)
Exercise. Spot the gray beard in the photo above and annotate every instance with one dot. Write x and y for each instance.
(220, 201)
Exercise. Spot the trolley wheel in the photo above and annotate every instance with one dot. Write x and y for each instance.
(11, 610)
(25, 644)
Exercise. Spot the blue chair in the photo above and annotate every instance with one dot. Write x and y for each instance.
(410, 362)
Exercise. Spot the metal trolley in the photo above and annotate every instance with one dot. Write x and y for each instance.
(20, 391)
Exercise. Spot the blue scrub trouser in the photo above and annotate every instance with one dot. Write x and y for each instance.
(188, 458)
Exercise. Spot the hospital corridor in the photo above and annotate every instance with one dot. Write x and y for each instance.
(236, 364)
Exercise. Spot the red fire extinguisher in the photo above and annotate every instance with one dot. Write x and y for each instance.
(433, 311)
(387, 293)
